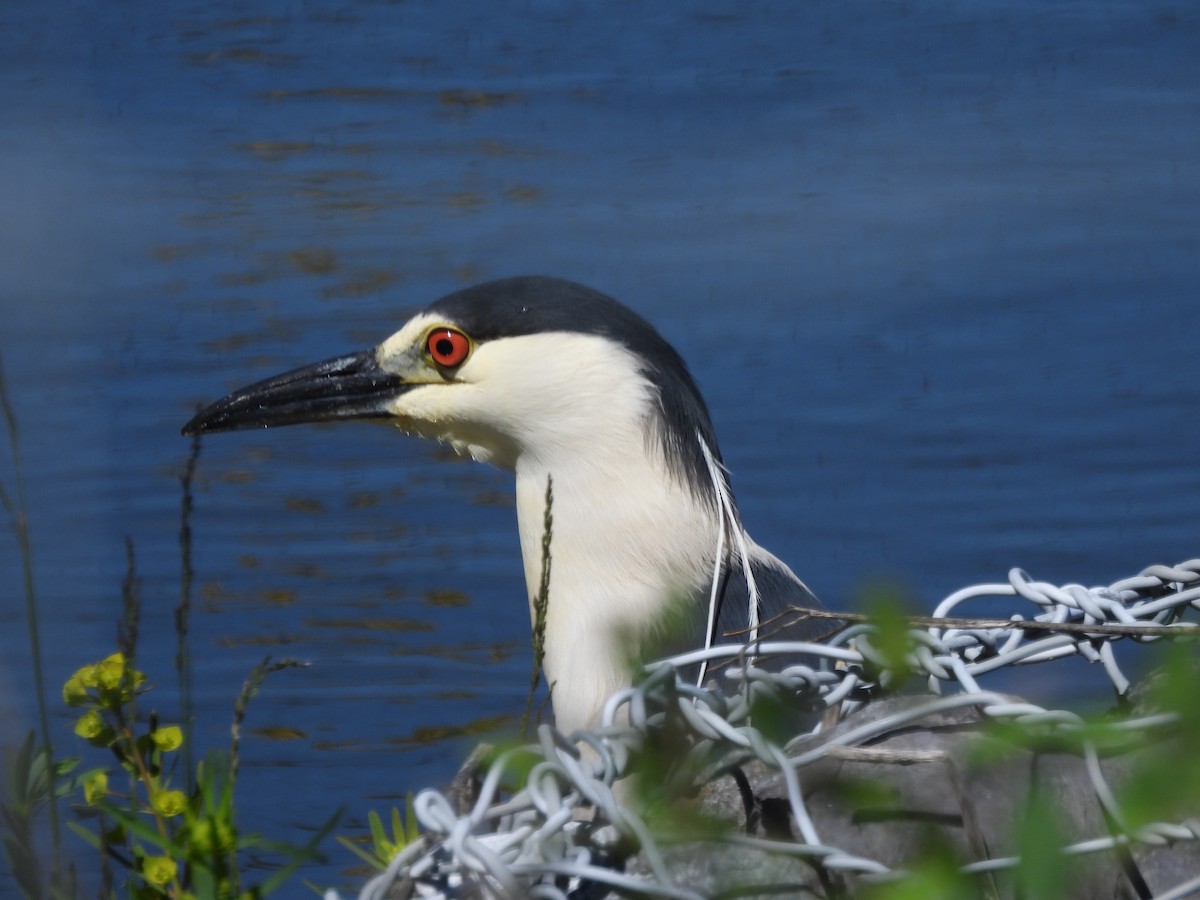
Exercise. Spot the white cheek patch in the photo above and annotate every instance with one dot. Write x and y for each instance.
(557, 391)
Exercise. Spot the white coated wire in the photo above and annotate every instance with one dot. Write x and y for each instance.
(534, 843)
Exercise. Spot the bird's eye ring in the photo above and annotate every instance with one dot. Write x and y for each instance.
(448, 347)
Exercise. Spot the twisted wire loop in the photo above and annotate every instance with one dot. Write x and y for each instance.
(564, 830)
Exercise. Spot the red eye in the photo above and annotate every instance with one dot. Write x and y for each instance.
(448, 347)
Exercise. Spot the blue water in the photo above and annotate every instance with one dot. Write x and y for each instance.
(936, 268)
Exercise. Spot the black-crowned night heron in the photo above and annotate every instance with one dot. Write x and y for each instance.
(553, 380)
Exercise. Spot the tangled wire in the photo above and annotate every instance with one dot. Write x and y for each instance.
(555, 819)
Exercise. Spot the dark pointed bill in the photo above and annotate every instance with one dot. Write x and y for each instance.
(348, 387)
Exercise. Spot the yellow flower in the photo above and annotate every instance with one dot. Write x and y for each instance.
(95, 787)
(159, 869)
(90, 726)
(167, 738)
(169, 803)
(75, 690)
(110, 672)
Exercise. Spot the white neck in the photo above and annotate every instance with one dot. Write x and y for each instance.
(624, 547)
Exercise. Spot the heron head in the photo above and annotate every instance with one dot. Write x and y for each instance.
(519, 366)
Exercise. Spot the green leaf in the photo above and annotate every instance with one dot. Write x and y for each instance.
(1044, 873)
(413, 831)
(378, 835)
(891, 639)
(1164, 784)
(934, 875)
(369, 858)
(89, 838)
(140, 827)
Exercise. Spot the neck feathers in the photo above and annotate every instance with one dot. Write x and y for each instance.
(631, 552)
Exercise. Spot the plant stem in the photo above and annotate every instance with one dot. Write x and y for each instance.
(183, 660)
(127, 627)
(541, 603)
(20, 519)
(249, 688)
(149, 785)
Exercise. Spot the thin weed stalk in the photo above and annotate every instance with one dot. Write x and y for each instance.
(250, 687)
(541, 603)
(127, 627)
(16, 508)
(187, 577)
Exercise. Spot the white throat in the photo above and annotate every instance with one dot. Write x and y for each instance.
(623, 550)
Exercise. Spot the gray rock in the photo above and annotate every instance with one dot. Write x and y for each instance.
(947, 780)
